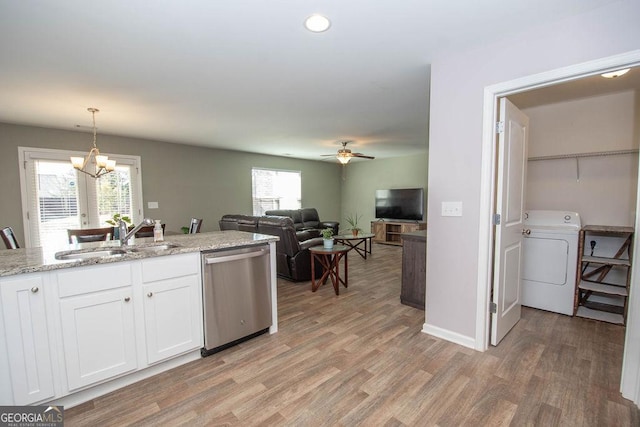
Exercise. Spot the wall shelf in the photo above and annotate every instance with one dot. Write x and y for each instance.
(592, 278)
(578, 156)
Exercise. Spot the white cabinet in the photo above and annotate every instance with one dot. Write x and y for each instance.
(71, 334)
(97, 323)
(172, 306)
(27, 338)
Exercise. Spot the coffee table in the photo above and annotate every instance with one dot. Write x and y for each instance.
(355, 242)
(330, 261)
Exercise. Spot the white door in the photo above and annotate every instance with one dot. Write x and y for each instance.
(56, 197)
(512, 169)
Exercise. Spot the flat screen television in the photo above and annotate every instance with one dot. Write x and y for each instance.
(402, 204)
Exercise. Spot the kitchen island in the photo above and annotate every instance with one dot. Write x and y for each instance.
(77, 328)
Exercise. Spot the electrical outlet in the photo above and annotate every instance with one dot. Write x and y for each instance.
(152, 205)
(451, 208)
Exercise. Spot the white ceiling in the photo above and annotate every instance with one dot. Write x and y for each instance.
(245, 74)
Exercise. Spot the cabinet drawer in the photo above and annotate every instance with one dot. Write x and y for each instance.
(168, 267)
(77, 281)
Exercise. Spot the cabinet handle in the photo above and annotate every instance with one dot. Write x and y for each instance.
(127, 299)
(34, 289)
(150, 294)
(526, 231)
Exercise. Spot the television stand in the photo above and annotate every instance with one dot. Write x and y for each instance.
(389, 232)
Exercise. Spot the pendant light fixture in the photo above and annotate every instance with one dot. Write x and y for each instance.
(100, 164)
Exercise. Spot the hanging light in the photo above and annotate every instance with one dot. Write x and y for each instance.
(102, 163)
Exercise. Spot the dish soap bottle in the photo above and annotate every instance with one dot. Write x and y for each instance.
(157, 232)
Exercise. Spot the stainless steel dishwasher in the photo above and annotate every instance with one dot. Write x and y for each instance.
(237, 296)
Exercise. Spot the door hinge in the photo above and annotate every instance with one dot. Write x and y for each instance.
(496, 219)
(500, 127)
(493, 308)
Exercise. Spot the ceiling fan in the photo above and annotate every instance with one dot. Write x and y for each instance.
(344, 154)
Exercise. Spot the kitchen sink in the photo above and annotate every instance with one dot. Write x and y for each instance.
(154, 248)
(89, 255)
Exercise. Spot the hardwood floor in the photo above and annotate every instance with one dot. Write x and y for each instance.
(360, 359)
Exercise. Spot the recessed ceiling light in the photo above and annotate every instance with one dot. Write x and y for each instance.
(616, 73)
(317, 23)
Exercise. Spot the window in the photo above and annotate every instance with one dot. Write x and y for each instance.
(56, 197)
(275, 189)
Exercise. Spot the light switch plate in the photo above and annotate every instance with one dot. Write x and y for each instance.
(152, 205)
(451, 208)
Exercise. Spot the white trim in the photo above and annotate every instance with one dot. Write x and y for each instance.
(630, 383)
(448, 335)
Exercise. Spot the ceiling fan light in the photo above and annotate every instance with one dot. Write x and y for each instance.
(343, 159)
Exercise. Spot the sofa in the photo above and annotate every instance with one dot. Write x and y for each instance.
(306, 219)
(293, 259)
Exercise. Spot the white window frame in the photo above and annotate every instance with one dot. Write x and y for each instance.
(31, 153)
(299, 200)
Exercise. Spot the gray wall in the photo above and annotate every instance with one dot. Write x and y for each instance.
(185, 180)
(455, 142)
(362, 178)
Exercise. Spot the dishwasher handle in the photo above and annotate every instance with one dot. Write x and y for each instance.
(219, 259)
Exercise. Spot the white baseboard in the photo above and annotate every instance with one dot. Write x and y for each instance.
(448, 335)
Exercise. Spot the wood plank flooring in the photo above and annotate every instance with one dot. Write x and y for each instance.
(360, 359)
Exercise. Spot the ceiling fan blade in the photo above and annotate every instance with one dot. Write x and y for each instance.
(327, 155)
(362, 156)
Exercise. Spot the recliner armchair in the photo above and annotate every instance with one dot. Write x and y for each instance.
(306, 219)
(239, 222)
(293, 259)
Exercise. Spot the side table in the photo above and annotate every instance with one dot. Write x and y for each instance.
(355, 242)
(330, 261)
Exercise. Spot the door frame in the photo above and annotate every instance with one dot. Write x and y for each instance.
(630, 384)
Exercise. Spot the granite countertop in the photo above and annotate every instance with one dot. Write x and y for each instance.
(20, 261)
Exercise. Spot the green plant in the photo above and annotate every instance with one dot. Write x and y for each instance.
(185, 230)
(115, 220)
(327, 233)
(352, 220)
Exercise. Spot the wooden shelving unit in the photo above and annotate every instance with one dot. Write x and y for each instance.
(389, 232)
(594, 276)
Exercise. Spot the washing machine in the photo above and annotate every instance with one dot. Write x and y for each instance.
(550, 254)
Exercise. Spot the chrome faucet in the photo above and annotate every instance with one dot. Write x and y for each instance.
(122, 230)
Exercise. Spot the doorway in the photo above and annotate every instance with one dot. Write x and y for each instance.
(631, 367)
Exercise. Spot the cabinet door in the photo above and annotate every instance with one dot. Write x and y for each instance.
(27, 339)
(408, 228)
(172, 317)
(378, 228)
(98, 335)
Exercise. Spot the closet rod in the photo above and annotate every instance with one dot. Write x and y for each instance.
(577, 155)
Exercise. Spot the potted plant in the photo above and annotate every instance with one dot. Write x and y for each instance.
(327, 236)
(352, 220)
(115, 221)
